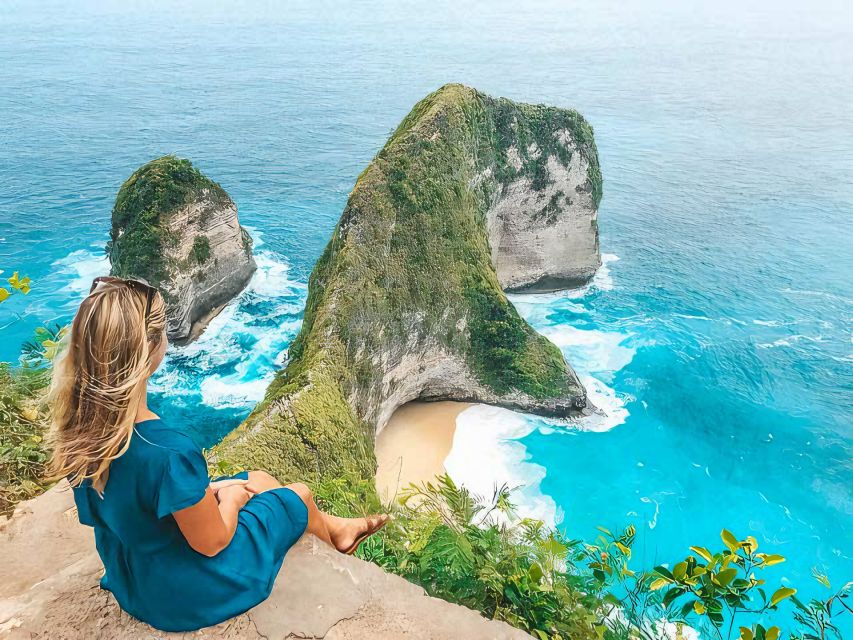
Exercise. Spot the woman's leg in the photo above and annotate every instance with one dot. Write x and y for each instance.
(261, 481)
(338, 532)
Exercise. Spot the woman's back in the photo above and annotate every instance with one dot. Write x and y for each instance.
(149, 566)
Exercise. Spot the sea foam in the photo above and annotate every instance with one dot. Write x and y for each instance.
(487, 450)
(233, 361)
(486, 454)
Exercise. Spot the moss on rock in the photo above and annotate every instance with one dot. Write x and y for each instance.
(140, 235)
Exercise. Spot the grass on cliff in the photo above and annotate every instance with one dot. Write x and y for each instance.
(23, 423)
(139, 234)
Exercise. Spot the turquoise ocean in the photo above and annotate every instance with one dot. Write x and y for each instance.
(716, 339)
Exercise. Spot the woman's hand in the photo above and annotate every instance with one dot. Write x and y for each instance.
(218, 485)
(234, 494)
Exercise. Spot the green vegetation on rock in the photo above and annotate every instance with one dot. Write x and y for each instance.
(23, 420)
(139, 233)
(408, 271)
(201, 249)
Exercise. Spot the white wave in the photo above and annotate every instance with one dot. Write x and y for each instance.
(789, 341)
(820, 294)
(766, 323)
(611, 410)
(225, 391)
(591, 350)
(532, 305)
(78, 269)
(486, 450)
(247, 341)
(602, 279)
(486, 453)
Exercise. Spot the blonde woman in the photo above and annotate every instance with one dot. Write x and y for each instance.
(180, 552)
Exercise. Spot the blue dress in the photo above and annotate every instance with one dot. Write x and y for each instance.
(150, 568)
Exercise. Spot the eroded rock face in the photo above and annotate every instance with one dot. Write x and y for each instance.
(544, 235)
(178, 230)
(407, 300)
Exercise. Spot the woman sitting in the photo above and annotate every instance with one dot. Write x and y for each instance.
(180, 552)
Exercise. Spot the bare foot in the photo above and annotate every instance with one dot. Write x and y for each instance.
(348, 533)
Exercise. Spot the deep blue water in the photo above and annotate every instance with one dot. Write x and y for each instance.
(720, 340)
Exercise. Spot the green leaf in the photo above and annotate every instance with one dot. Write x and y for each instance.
(771, 558)
(820, 577)
(781, 594)
(746, 634)
(662, 570)
(772, 633)
(726, 576)
(659, 583)
(535, 572)
(730, 541)
(702, 552)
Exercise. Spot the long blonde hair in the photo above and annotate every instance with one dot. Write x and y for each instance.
(98, 379)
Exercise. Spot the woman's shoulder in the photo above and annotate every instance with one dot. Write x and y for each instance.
(156, 437)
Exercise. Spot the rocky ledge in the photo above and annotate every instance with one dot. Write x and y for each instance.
(177, 229)
(50, 591)
(469, 196)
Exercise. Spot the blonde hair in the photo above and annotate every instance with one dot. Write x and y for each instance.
(98, 379)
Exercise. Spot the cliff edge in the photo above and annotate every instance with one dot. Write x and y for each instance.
(50, 591)
(178, 229)
(407, 302)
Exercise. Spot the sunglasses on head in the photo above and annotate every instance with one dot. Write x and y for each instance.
(137, 284)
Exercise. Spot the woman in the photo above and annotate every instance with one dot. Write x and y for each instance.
(180, 552)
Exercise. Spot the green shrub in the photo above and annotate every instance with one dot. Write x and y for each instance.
(477, 553)
(201, 249)
(23, 422)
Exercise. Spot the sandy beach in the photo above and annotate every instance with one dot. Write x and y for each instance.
(414, 444)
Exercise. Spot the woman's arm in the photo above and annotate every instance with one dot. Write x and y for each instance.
(208, 526)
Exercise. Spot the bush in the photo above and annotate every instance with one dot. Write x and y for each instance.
(477, 553)
(23, 422)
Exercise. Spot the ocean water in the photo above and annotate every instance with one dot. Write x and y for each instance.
(716, 340)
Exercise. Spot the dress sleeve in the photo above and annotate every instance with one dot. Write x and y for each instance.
(183, 483)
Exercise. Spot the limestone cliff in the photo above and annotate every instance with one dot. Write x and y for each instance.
(406, 302)
(177, 229)
(542, 220)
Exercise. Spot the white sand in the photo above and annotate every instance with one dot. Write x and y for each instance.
(414, 444)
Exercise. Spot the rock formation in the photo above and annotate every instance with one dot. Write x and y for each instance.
(177, 229)
(405, 303)
(469, 196)
(543, 220)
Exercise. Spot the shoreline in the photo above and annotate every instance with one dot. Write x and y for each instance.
(414, 444)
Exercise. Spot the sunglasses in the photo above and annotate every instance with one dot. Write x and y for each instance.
(136, 284)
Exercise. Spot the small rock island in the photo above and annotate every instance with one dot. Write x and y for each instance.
(471, 195)
(178, 229)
